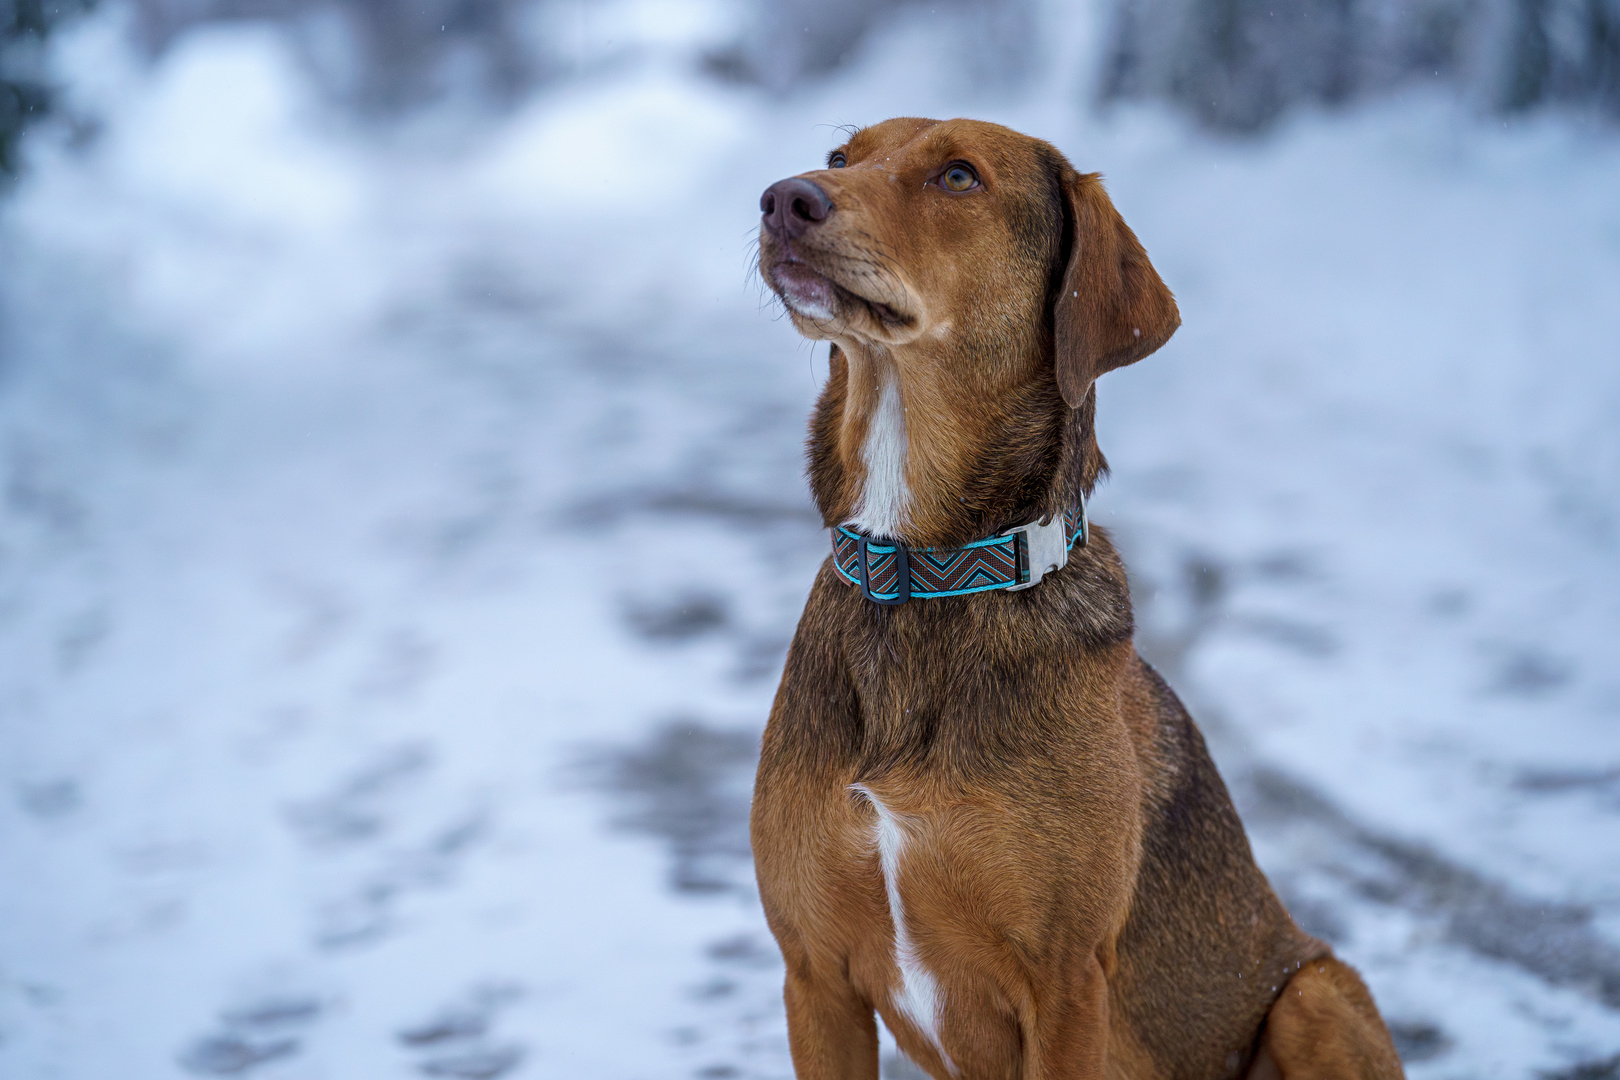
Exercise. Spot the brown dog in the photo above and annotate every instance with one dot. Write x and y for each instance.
(978, 811)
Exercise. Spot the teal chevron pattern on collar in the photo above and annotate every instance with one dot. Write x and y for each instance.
(997, 562)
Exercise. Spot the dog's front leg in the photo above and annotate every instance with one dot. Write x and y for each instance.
(831, 1030)
(1067, 1038)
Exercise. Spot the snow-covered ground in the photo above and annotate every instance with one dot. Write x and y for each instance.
(401, 533)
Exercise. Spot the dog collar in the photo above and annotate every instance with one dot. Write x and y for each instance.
(891, 573)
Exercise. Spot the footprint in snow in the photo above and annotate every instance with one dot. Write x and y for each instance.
(266, 1031)
(456, 1041)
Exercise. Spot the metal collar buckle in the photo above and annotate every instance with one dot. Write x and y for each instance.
(1045, 547)
(902, 573)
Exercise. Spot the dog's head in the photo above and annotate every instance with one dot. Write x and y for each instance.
(918, 231)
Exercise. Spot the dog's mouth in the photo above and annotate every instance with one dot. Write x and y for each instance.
(820, 299)
(805, 291)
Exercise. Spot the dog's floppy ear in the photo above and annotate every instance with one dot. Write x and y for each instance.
(1113, 309)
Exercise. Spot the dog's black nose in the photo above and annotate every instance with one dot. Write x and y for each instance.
(791, 206)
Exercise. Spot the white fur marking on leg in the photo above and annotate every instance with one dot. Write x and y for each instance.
(882, 507)
(919, 996)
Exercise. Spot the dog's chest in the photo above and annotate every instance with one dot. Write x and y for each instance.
(909, 889)
(916, 993)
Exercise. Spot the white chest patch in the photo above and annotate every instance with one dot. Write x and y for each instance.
(882, 508)
(919, 996)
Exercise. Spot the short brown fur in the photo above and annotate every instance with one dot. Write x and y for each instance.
(1074, 875)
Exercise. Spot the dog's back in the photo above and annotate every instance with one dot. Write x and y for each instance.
(1207, 946)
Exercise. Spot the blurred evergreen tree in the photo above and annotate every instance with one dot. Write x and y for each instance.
(1240, 64)
(25, 91)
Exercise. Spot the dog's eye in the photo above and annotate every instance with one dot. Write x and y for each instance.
(837, 161)
(959, 177)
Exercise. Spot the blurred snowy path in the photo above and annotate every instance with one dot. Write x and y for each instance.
(398, 553)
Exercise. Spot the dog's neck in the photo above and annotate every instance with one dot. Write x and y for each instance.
(875, 422)
(936, 452)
